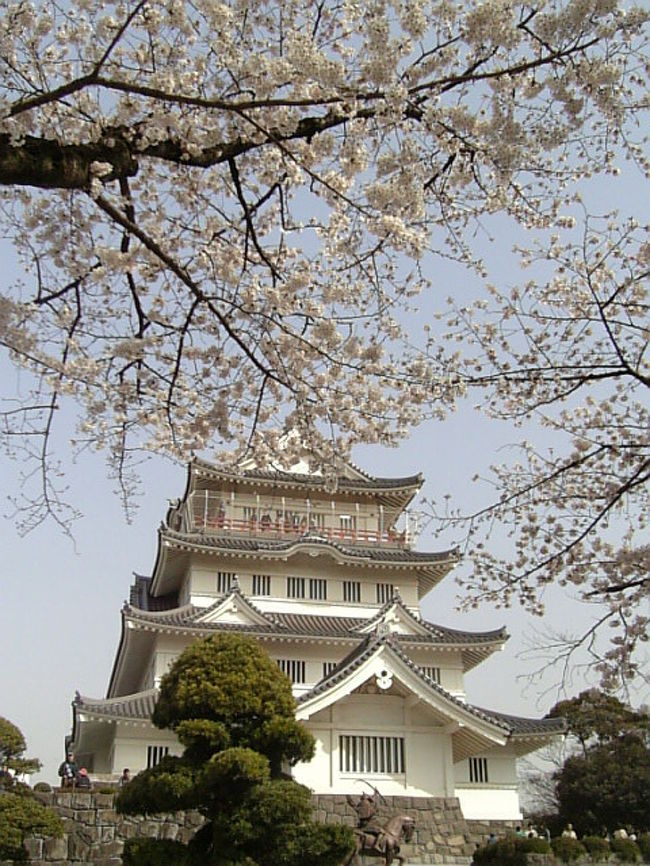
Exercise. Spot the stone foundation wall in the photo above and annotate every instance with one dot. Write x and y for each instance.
(94, 833)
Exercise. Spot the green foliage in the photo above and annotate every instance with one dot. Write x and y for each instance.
(510, 851)
(597, 847)
(233, 710)
(225, 679)
(167, 787)
(595, 714)
(567, 849)
(643, 841)
(626, 850)
(12, 746)
(155, 852)
(42, 788)
(21, 815)
(607, 786)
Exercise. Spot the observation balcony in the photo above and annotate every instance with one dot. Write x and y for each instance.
(212, 513)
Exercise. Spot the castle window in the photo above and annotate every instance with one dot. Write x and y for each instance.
(371, 754)
(433, 674)
(352, 590)
(293, 668)
(348, 523)
(317, 588)
(328, 667)
(384, 592)
(478, 770)
(296, 587)
(155, 754)
(261, 584)
(225, 580)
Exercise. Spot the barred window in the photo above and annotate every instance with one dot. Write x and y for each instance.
(371, 754)
(296, 587)
(261, 584)
(225, 580)
(293, 668)
(384, 592)
(155, 754)
(347, 522)
(433, 674)
(317, 588)
(328, 667)
(478, 770)
(352, 590)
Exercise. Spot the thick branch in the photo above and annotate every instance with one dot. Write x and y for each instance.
(47, 164)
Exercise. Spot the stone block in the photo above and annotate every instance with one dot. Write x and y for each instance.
(33, 848)
(104, 801)
(194, 819)
(88, 834)
(169, 830)
(106, 834)
(107, 816)
(113, 849)
(85, 816)
(55, 849)
(77, 848)
(82, 800)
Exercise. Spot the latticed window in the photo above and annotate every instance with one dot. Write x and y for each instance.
(478, 770)
(359, 754)
(155, 754)
(433, 674)
(225, 580)
(261, 584)
(317, 588)
(384, 592)
(293, 668)
(352, 590)
(296, 587)
(328, 667)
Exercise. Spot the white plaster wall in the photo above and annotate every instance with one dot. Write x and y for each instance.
(450, 664)
(200, 585)
(428, 756)
(130, 746)
(502, 769)
(483, 802)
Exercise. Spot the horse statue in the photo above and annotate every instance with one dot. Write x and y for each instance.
(386, 845)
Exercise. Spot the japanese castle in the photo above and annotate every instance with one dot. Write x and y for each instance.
(322, 572)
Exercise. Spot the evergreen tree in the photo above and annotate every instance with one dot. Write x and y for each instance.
(233, 710)
(20, 813)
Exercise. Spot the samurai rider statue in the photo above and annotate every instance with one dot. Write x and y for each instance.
(366, 810)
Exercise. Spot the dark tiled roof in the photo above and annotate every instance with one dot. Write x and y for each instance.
(368, 482)
(365, 650)
(311, 625)
(396, 556)
(137, 706)
(139, 596)
(528, 727)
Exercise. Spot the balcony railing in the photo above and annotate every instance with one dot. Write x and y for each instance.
(207, 512)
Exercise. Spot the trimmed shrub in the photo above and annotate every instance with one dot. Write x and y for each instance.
(597, 847)
(42, 788)
(626, 850)
(644, 846)
(154, 852)
(567, 849)
(510, 851)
